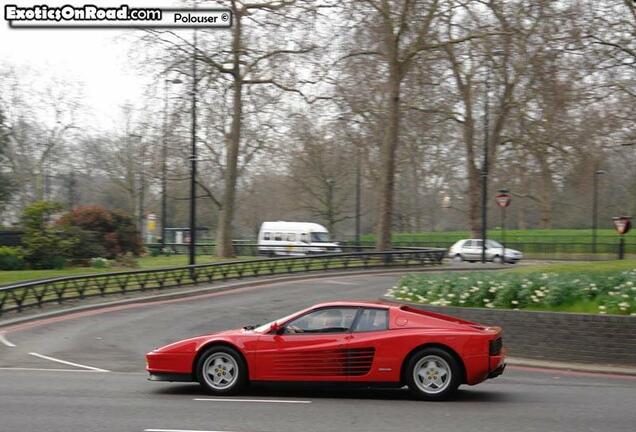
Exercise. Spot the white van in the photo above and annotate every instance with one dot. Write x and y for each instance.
(294, 238)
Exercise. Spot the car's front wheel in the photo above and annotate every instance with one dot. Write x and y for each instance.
(433, 374)
(497, 259)
(222, 371)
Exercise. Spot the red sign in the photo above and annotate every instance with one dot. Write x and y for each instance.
(622, 224)
(503, 199)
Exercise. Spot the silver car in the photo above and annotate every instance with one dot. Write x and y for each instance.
(470, 250)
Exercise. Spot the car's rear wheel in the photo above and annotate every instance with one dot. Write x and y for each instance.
(433, 374)
(222, 371)
(497, 259)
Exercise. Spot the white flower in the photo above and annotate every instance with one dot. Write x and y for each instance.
(514, 302)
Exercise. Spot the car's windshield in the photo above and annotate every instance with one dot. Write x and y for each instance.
(493, 244)
(264, 327)
(319, 237)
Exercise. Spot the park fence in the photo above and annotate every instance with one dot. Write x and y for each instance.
(19, 296)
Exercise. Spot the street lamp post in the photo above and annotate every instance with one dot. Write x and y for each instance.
(595, 208)
(164, 163)
(484, 170)
(193, 159)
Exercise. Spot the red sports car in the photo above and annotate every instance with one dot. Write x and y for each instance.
(352, 342)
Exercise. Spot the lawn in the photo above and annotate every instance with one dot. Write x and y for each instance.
(600, 287)
(7, 277)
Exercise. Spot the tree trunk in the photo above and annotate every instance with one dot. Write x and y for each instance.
(389, 148)
(224, 246)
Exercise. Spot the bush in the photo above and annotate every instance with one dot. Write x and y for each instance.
(100, 262)
(11, 258)
(113, 233)
(127, 260)
(45, 247)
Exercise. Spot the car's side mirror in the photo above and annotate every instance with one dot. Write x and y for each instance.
(276, 328)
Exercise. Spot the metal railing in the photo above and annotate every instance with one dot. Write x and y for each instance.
(19, 296)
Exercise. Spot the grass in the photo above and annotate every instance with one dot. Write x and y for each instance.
(599, 287)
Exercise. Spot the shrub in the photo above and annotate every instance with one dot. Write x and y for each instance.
(114, 233)
(11, 258)
(127, 260)
(44, 246)
(100, 262)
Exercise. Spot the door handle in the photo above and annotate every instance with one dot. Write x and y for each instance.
(349, 337)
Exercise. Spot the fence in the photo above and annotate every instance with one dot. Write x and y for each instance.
(17, 297)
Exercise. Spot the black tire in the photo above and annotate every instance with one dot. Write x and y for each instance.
(497, 259)
(224, 388)
(458, 258)
(442, 358)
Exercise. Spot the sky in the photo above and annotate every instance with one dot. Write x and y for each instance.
(98, 59)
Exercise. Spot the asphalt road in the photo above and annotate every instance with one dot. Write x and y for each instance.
(40, 393)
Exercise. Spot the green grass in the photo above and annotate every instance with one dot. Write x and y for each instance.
(8, 277)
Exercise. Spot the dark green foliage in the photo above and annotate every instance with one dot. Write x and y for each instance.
(11, 258)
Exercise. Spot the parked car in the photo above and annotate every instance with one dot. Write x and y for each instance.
(294, 238)
(340, 342)
(470, 250)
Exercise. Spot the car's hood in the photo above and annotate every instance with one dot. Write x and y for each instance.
(191, 344)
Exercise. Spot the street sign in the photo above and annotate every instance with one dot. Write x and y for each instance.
(503, 199)
(622, 224)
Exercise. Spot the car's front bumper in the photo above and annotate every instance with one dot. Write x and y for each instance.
(498, 371)
(169, 376)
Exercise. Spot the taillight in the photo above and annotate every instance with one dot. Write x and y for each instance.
(495, 346)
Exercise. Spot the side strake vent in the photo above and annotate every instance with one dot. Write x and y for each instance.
(342, 362)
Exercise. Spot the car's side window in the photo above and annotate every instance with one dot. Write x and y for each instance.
(266, 236)
(468, 243)
(326, 320)
(372, 319)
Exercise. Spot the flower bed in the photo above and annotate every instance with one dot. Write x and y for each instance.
(604, 293)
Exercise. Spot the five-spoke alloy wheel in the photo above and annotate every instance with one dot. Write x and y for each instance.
(221, 371)
(433, 374)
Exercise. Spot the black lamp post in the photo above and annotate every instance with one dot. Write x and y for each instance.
(595, 208)
(193, 159)
(164, 163)
(484, 169)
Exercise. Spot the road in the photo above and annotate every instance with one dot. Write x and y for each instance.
(85, 373)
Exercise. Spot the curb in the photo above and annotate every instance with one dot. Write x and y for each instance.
(573, 367)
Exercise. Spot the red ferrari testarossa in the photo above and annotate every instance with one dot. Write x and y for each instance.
(344, 342)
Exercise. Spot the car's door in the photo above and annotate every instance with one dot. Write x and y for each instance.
(475, 250)
(308, 348)
(370, 355)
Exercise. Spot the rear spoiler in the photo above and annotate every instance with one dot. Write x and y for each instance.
(411, 309)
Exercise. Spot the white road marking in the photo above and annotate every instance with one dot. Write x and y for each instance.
(45, 370)
(337, 282)
(255, 400)
(68, 362)
(5, 341)
(180, 430)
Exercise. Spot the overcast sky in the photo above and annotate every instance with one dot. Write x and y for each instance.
(97, 58)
